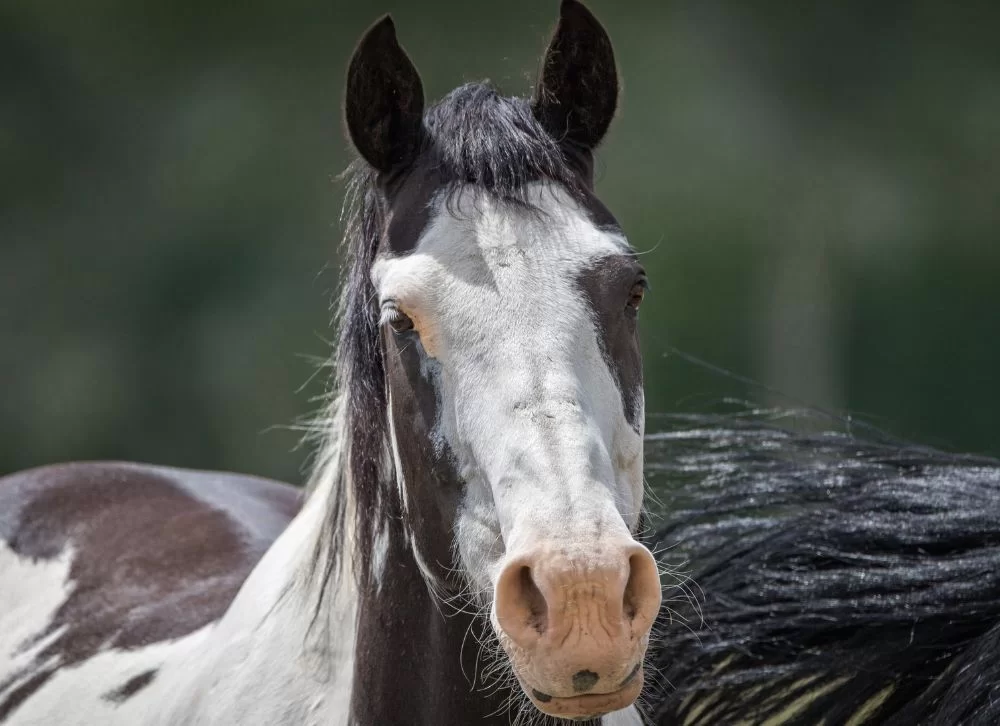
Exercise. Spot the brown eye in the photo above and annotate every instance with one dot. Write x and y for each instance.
(636, 294)
(397, 320)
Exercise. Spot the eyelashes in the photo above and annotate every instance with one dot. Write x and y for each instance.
(394, 318)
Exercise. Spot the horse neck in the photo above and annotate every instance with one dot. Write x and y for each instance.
(422, 661)
(283, 652)
(418, 661)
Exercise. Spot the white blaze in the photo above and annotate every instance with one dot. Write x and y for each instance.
(530, 407)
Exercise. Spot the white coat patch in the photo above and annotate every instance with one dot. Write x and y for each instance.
(32, 592)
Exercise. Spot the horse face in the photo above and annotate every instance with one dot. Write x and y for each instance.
(508, 331)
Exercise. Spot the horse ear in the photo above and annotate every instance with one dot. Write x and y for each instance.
(577, 90)
(384, 100)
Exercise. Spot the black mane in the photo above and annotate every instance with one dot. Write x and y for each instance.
(837, 573)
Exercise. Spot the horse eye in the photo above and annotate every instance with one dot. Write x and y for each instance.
(636, 295)
(397, 320)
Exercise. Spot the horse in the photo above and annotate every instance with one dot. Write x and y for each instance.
(468, 548)
(473, 545)
(841, 579)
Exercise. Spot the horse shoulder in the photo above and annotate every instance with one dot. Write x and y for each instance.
(104, 567)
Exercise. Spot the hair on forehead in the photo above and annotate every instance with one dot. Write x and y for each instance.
(476, 136)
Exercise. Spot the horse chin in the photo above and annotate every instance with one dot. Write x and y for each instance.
(537, 679)
(585, 706)
(572, 706)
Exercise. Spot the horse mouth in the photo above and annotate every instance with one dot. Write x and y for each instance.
(589, 705)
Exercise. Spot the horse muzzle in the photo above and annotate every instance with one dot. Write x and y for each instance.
(574, 619)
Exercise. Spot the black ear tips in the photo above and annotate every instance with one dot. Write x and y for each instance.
(576, 13)
(577, 92)
(571, 8)
(380, 34)
(384, 27)
(384, 99)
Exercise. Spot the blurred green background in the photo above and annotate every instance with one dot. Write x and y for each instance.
(815, 188)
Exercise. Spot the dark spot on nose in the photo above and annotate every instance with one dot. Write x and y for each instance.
(584, 681)
(543, 697)
(630, 676)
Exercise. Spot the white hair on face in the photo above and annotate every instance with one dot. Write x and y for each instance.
(528, 403)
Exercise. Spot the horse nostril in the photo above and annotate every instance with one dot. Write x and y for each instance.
(584, 681)
(641, 599)
(521, 610)
(533, 600)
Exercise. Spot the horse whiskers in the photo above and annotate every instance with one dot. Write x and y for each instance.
(497, 673)
(493, 672)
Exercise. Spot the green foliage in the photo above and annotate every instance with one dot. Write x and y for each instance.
(815, 190)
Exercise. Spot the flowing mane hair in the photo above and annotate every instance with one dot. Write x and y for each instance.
(844, 580)
(474, 137)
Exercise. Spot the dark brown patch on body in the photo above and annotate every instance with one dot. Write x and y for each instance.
(22, 693)
(157, 553)
(130, 687)
(606, 285)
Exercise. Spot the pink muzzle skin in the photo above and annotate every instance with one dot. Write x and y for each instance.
(575, 623)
